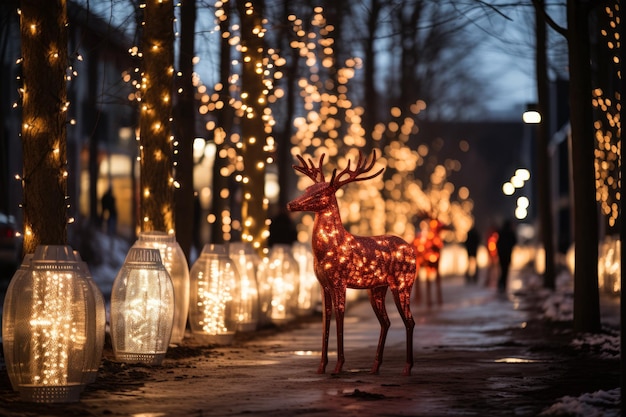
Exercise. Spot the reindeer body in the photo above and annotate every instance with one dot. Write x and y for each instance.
(343, 260)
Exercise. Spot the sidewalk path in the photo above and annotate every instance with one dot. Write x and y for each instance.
(479, 354)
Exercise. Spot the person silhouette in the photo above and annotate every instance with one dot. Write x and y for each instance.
(109, 211)
(471, 245)
(506, 241)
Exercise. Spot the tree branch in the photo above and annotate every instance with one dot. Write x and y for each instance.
(558, 29)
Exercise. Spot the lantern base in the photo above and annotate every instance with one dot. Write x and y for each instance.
(145, 358)
(215, 339)
(246, 326)
(51, 394)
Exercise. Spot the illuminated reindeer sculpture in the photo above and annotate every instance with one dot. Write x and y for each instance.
(428, 244)
(343, 260)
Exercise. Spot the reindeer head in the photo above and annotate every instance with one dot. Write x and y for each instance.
(321, 194)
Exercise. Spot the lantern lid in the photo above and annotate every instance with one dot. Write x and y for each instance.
(214, 249)
(143, 256)
(156, 236)
(54, 253)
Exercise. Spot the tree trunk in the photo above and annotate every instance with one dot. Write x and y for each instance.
(371, 97)
(284, 159)
(44, 115)
(586, 294)
(543, 182)
(220, 202)
(253, 135)
(186, 122)
(156, 190)
(90, 124)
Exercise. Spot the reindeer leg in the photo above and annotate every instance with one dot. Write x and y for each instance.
(377, 299)
(326, 314)
(339, 303)
(402, 297)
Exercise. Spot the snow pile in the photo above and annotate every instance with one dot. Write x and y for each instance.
(605, 346)
(111, 255)
(597, 404)
(559, 306)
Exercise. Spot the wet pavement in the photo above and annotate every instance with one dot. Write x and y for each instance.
(480, 353)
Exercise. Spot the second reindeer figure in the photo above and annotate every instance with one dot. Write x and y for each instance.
(342, 260)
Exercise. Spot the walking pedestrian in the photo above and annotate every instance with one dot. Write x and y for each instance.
(506, 241)
(471, 246)
(109, 211)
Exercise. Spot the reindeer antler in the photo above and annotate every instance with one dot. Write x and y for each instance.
(310, 170)
(353, 175)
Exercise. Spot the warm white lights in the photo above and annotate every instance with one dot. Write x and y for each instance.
(49, 327)
(213, 297)
(175, 263)
(142, 308)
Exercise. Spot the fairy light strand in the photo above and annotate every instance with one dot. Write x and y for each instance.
(154, 90)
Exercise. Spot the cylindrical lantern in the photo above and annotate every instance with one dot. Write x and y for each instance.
(247, 302)
(49, 327)
(173, 258)
(9, 339)
(282, 276)
(214, 280)
(100, 321)
(142, 308)
(309, 293)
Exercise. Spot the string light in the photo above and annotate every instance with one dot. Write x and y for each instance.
(608, 127)
(333, 125)
(34, 126)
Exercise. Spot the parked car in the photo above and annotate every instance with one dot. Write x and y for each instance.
(10, 242)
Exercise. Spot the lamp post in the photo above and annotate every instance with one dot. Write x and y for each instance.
(533, 116)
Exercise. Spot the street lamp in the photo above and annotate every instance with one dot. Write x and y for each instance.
(531, 115)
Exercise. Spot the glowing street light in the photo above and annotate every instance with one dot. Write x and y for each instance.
(531, 115)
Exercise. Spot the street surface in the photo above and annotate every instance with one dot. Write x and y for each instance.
(480, 353)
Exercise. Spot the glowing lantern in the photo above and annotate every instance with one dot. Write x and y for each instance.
(49, 327)
(282, 276)
(91, 370)
(142, 308)
(174, 260)
(247, 305)
(214, 280)
(13, 367)
(309, 292)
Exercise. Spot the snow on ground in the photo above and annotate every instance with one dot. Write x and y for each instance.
(596, 404)
(113, 253)
(559, 306)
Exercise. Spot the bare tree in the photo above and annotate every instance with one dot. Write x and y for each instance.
(186, 123)
(431, 44)
(586, 293)
(543, 140)
(586, 296)
(369, 77)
